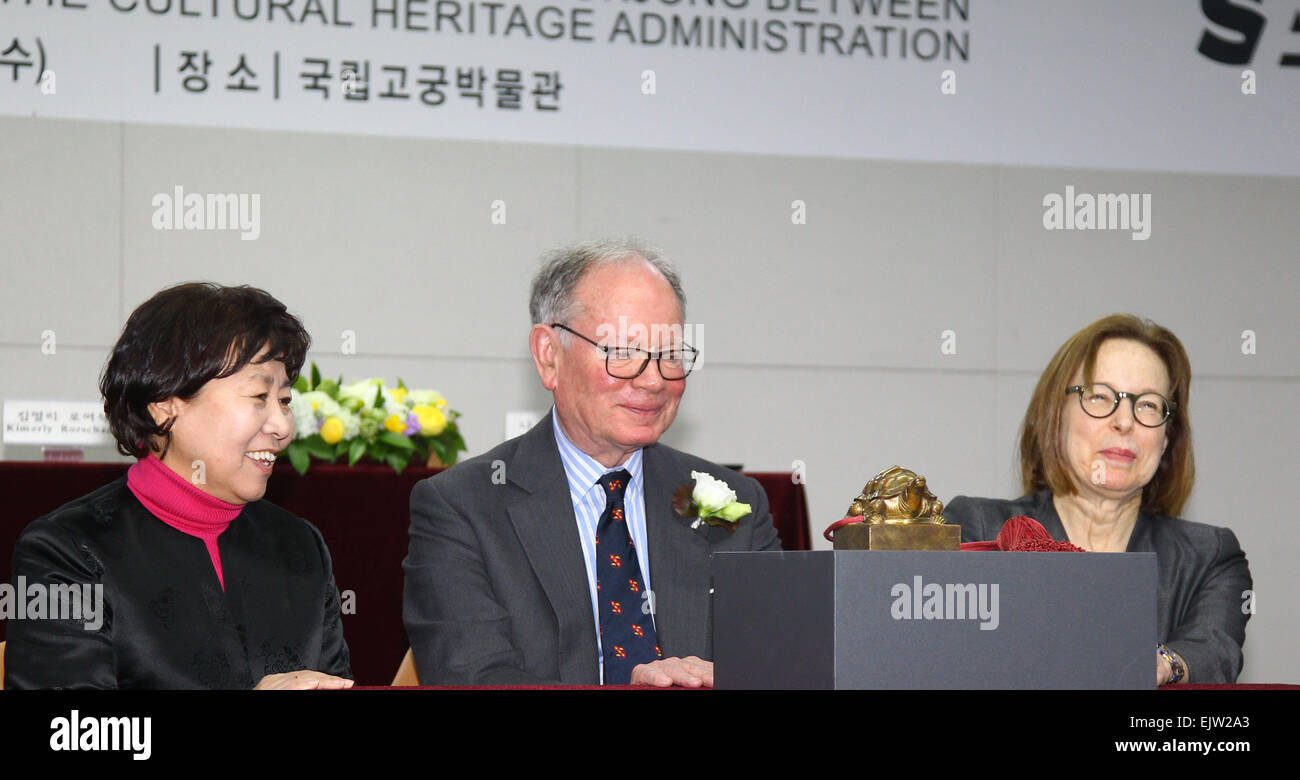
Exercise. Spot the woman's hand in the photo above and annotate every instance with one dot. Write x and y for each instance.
(303, 680)
(1164, 672)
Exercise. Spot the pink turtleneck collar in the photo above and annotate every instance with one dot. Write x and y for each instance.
(172, 499)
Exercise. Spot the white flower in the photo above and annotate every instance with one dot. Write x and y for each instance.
(351, 423)
(711, 494)
(363, 390)
(423, 397)
(304, 418)
(321, 403)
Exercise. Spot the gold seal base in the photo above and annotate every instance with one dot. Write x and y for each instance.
(909, 536)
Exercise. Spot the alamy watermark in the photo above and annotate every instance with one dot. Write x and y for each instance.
(54, 601)
(1103, 211)
(950, 601)
(77, 732)
(668, 336)
(179, 210)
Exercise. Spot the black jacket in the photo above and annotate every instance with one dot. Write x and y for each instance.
(165, 621)
(1202, 577)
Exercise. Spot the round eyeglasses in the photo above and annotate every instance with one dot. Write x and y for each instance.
(630, 362)
(1101, 400)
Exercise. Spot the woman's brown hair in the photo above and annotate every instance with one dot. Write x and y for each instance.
(1042, 463)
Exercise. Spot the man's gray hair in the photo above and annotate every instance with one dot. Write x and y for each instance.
(552, 295)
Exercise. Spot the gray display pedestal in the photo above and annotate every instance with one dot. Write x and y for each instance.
(934, 620)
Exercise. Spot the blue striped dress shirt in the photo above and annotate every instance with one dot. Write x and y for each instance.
(589, 504)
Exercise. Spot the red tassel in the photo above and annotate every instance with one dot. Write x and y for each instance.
(1023, 534)
(1020, 528)
(1045, 545)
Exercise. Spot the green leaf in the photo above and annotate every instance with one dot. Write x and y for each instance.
(401, 384)
(340, 448)
(439, 449)
(300, 384)
(318, 448)
(397, 461)
(683, 502)
(315, 375)
(356, 451)
(298, 457)
(330, 388)
(379, 400)
(398, 441)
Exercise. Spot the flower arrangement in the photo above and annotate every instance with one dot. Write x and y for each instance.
(368, 419)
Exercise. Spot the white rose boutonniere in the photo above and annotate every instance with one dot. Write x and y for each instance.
(709, 500)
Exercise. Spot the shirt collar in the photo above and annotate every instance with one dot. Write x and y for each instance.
(583, 470)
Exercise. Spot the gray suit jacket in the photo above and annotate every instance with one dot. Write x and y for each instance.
(1201, 574)
(496, 586)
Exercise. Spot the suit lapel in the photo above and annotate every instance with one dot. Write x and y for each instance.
(679, 561)
(548, 530)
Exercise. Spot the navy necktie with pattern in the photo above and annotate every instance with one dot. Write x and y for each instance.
(627, 630)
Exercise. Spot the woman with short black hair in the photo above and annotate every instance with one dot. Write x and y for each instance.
(190, 580)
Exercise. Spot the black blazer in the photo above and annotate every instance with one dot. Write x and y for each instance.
(496, 587)
(1201, 577)
(166, 621)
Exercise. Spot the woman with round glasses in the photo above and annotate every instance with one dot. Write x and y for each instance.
(1106, 461)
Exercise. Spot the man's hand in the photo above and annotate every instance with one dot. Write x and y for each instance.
(303, 680)
(688, 672)
(1164, 672)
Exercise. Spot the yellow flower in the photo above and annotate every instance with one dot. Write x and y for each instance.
(432, 420)
(395, 423)
(398, 394)
(331, 430)
(442, 403)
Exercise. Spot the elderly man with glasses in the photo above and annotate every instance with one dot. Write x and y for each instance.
(557, 557)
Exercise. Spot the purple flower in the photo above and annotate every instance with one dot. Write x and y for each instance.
(412, 425)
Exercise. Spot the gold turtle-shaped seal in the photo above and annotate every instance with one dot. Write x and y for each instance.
(897, 496)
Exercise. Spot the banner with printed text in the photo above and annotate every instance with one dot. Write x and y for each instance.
(1157, 85)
